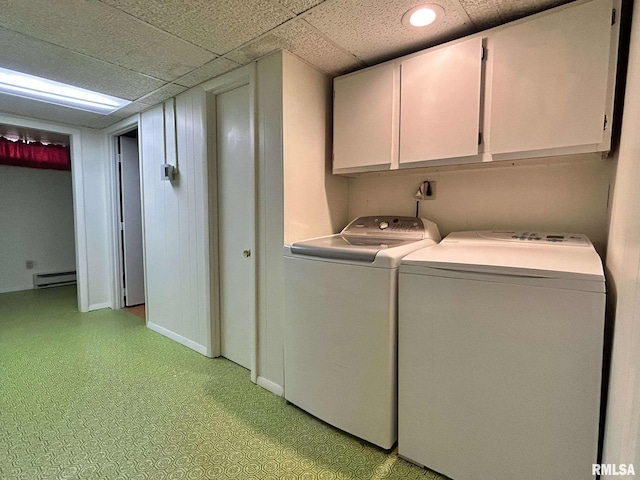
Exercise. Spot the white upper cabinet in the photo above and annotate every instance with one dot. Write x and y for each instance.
(365, 120)
(544, 88)
(440, 104)
(551, 82)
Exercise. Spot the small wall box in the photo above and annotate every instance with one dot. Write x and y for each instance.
(167, 172)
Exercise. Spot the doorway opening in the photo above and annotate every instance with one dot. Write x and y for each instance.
(130, 238)
(38, 218)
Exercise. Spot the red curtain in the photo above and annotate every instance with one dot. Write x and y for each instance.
(34, 155)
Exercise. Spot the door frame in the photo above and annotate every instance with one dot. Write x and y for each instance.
(242, 76)
(116, 251)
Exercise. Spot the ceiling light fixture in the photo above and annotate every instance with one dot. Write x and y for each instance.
(37, 88)
(422, 15)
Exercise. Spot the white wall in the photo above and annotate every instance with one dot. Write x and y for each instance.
(315, 201)
(96, 217)
(175, 227)
(298, 197)
(622, 431)
(36, 223)
(561, 195)
(270, 213)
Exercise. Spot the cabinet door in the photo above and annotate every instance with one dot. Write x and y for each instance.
(440, 103)
(549, 83)
(365, 120)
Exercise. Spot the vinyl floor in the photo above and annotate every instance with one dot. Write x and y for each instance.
(99, 396)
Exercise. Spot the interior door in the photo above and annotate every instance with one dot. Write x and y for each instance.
(131, 213)
(235, 224)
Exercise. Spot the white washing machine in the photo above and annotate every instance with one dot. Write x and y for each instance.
(341, 323)
(500, 356)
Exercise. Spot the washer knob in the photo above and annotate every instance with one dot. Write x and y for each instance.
(383, 225)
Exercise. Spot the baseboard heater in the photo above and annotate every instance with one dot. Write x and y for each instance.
(53, 279)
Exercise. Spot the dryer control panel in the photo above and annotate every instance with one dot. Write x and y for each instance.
(569, 239)
(383, 226)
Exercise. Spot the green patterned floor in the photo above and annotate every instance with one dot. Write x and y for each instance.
(99, 396)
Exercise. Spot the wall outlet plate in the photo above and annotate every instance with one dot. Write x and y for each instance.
(167, 172)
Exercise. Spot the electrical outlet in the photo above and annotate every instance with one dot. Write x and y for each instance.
(426, 191)
(432, 190)
(30, 264)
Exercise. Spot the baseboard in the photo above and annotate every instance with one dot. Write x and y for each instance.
(15, 289)
(99, 306)
(179, 338)
(272, 387)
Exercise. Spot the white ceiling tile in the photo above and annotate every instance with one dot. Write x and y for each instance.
(302, 40)
(373, 30)
(33, 56)
(218, 26)
(299, 6)
(163, 93)
(100, 31)
(104, 122)
(489, 13)
(132, 109)
(207, 72)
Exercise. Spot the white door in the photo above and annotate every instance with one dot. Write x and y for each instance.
(235, 224)
(131, 213)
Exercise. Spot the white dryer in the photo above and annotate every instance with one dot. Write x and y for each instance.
(500, 356)
(341, 323)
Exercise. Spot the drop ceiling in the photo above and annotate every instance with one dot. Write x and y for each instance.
(149, 50)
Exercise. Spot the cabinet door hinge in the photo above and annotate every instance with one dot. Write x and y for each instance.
(483, 53)
(479, 138)
(613, 16)
(122, 226)
(119, 157)
(605, 123)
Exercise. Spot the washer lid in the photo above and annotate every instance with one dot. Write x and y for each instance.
(365, 237)
(346, 247)
(511, 253)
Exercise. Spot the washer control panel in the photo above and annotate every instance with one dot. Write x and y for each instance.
(384, 225)
(572, 239)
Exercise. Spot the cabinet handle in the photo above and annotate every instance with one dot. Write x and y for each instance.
(247, 253)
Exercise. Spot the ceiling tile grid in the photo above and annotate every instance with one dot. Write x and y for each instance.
(299, 6)
(207, 71)
(299, 38)
(36, 57)
(163, 93)
(373, 31)
(218, 26)
(100, 31)
(152, 50)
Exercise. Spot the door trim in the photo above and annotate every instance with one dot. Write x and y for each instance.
(116, 253)
(237, 78)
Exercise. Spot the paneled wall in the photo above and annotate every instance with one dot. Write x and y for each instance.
(567, 195)
(175, 232)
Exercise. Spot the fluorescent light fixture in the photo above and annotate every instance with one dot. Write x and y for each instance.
(44, 90)
(422, 15)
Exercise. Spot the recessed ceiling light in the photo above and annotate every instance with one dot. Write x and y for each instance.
(423, 15)
(38, 88)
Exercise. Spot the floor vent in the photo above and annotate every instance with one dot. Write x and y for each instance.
(54, 279)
